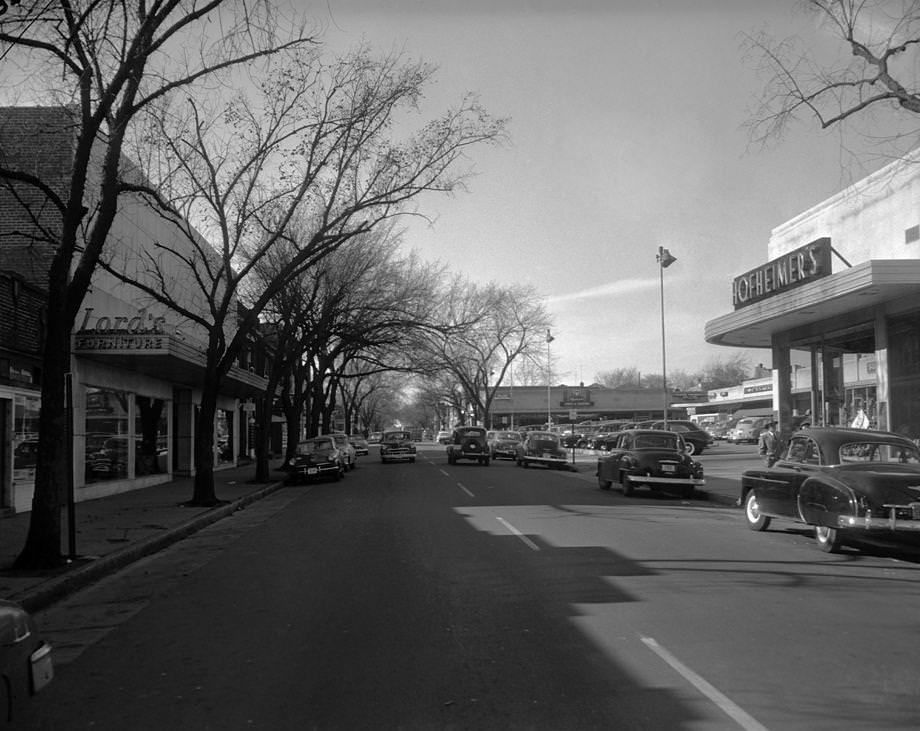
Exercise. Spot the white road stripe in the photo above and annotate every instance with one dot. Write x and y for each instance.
(527, 542)
(462, 487)
(445, 473)
(745, 720)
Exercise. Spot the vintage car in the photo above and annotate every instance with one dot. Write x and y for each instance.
(655, 458)
(468, 442)
(695, 438)
(316, 459)
(541, 447)
(26, 665)
(343, 442)
(374, 437)
(443, 437)
(360, 444)
(503, 444)
(850, 484)
(396, 445)
(748, 429)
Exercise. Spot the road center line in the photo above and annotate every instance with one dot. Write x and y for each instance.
(743, 719)
(527, 542)
(462, 487)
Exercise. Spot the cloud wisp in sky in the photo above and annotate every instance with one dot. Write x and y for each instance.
(611, 289)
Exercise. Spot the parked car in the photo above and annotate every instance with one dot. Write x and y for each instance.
(468, 442)
(349, 453)
(396, 445)
(374, 437)
(26, 664)
(653, 458)
(695, 439)
(360, 444)
(443, 437)
(540, 447)
(748, 429)
(316, 459)
(847, 483)
(503, 444)
(720, 430)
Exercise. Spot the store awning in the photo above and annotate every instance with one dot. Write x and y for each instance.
(856, 288)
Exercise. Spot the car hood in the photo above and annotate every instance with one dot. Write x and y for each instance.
(881, 483)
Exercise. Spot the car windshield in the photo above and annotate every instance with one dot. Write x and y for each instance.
(545, 440)
(469, 432)
(892, 452)
(316, 446)
(513, 435)
(396, 436)
(656, 441)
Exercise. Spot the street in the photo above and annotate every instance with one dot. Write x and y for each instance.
(433, 596)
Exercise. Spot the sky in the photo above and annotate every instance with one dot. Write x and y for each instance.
(626, 134)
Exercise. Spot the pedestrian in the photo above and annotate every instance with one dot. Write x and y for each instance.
(767, 444)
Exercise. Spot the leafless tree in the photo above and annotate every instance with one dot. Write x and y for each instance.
(104, 63)
(859, 67)
(308, 160)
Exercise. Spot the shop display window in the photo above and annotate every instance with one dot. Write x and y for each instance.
(107, 446)
(151, 436)
(224, 430)
(25, 438)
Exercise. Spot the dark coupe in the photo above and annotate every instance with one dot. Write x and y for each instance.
(543, 448)
(503, 444)
(847, 483)
(316, 459)
(654, 458)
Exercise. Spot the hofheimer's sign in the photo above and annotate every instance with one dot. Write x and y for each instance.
(791, 270)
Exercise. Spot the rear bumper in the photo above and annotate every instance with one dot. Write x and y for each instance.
(888, 522)
(648, 480)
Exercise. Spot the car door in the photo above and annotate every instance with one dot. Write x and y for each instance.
(607, 465)
(779, 487)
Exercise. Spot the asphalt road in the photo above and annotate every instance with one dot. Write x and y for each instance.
(433, 596)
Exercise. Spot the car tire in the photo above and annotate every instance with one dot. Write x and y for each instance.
(691, 448)
(603, 484)
(412, 459)
(524, 464)
(755, 519)
(830, 540)
(626, 485)
(486, 462)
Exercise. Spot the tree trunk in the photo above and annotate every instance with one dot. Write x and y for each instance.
(263, 437)
(204, 493)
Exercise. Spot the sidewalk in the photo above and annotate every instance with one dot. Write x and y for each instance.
(114, 531)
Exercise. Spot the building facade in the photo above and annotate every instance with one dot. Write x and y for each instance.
(838, 304)
(136, 366)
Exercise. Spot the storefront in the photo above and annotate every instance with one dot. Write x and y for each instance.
(838, 305)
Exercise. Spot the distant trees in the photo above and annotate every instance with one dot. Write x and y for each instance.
(717, 373)
(863, 60)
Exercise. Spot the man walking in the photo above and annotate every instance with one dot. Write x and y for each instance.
(767, 444)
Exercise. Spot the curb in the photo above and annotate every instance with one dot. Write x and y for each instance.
(41, 596)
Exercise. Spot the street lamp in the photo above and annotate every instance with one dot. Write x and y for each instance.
(549, 402)
(664, 261)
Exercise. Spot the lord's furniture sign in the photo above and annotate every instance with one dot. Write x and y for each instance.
(791, 270)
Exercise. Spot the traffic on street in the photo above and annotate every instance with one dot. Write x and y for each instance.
(433, 595)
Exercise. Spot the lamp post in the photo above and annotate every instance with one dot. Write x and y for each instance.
(549, 402)
(665, 260)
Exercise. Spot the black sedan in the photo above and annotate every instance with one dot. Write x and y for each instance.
(316, 459)
(652, 458)
(847, 483)
(542, 448)
(503, 444)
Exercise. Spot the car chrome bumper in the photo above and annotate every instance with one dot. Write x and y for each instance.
(890, 523)
(647, 480)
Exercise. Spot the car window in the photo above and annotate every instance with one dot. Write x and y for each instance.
(879, 452)
(650, 441)
(803, 450)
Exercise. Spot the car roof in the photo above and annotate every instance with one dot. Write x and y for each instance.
(834, 436)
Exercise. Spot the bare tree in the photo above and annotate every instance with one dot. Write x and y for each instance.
(307, 161)
(104, 63)
(879, 73)
(620, 377)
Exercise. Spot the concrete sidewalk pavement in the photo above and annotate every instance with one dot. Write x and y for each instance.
(113, 531)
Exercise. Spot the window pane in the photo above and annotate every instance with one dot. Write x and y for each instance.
(106, 423)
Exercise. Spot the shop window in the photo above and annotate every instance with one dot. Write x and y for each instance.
(225, 446)
(151, 436)
(25, 438)
(107, 446)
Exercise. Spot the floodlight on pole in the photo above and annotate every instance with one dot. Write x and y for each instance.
(664, 261)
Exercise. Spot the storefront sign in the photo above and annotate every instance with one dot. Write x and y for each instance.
(120, 341)
(107, 332)
(791, 270)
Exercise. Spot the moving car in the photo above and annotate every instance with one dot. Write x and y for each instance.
(316, 459)
(396, 445)
(374, 437)
(654, 458)
(503, 444)
(847, 483)
(541, 447)
(360, 444)
(443, 437)
(26, 665)
(468, 442)
(349, 453)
